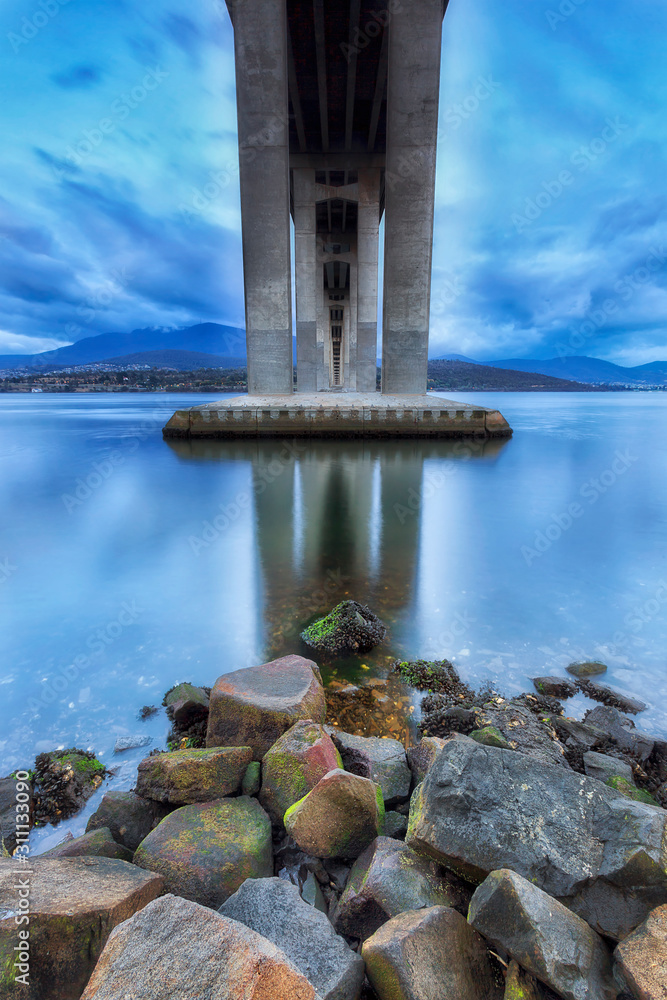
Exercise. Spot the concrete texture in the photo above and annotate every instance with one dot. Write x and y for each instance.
(337, 415)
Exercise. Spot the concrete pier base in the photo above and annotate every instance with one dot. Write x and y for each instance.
(337, 415)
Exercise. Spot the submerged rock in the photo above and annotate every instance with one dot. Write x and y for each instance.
(544, 937)
(555, 687)
(64, 781)
(641, 959)
(605, 694)
(128, 817)
(74, 904)
(294, 765)
(207, 850)
(587, 668)
(124, 743)
(255, 706)
(480, 809)
(350, 628)
(429, 953)
(185, 776)
(274, 909)
(388, 879)
(97, 843)
(176, 949)
(339, 817)
(381, 759)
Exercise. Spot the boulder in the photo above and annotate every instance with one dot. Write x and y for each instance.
(8, 813)
(480, 809)
(544, 937)
(128, 817)
(350, 628)
(186, 704)
(206, 850)
(74, 904)
(522, 729)
(490, 736)
(388, 879)
(274, 909)
(339, 817)
(555, 687)
(587, 668)
(421, 757)
(97, 843)
(294, 765)
(641, 960)
(185, 776)
(124, 743)
(64, 781)
(395, 825)
(177, 949)
(427, 955)
(602, 767)
(255, 706)
(621, 731)
(252, 779)
(381, 759)
(629, 789)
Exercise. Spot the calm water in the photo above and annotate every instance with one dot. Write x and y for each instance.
(128, 564)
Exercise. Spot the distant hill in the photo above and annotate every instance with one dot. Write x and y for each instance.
(457, 357)
(208, 338)
(183, 361)
(591, 370)
(462, 376)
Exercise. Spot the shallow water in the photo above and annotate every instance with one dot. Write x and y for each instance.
(128, 564)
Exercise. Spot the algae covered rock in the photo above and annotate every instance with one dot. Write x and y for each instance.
(428, 954)
(186, 704)
(544, 937)
(381, 759)
(128, 817)
(587, 668)
(274, 909)
(9, 788)
(641, 959)
(185, 776)
(350, 628)
(98, 843)
(64, 781)
(294, 765)
(206, 850)
(422, 755)
(388, 879)
(74, 904)
(490, 736)
(339, 817)
(255, 706)
(252, 779)
(175, 950)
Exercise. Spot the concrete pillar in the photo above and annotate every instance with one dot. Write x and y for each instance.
(307, 277)
(368, 224)
(413, 83)
(260, 46)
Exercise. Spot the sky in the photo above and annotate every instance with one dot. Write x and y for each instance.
(119, 200)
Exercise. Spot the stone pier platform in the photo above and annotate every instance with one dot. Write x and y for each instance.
(337, 415)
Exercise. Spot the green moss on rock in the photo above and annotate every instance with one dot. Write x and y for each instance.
(625, 787)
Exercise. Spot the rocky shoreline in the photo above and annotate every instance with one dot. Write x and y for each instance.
(510, 853)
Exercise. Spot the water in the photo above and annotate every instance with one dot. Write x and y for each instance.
(128, 564)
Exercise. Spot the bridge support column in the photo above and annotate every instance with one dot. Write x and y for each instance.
(413, 83)
(368, 224)
(308, 280)
(260, 45)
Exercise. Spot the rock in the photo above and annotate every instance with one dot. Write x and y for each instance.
(185, 776)
(395, 825)
(350, 628)
(128, 817)
(641, 959)
(98, 843)
(131, 743)
(429, 954)
(555, 687)
(64, 781)
(523, 730)
(630, 791)
(600, 766)
(491, 737)
(339, 817)
(252, 779)
(605, 694)
(544, 937)
(621, 731)
(312, 894)
(588, 668)
(294, 765)
(8, 813)
(176, 950)
(74, 904)
(378, 758)
(421, 757)
(388, 879)
(519, 985)
(206, 850)
(186, 704)
(576, 735)
(255, 706)
(274, 909)
(480, 809)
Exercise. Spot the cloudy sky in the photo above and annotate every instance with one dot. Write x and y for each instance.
(119, 204)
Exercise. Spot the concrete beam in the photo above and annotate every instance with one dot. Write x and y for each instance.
(307, 278)
(413, 86)
(260, 45)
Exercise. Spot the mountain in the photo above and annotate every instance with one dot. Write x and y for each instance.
(183, 361)
(456, 357)
(591, 370)
(209, 338)
(461, 376)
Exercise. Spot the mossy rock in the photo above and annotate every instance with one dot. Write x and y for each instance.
(129, 817)
(252, 779)
(294, 765)
(626, 788)
(186, 703)
(98, 843)
(587, 668)
(349, 628)
(490, 736)
(339, 817)
(185, 776)
(206, 851)
(64, 781)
